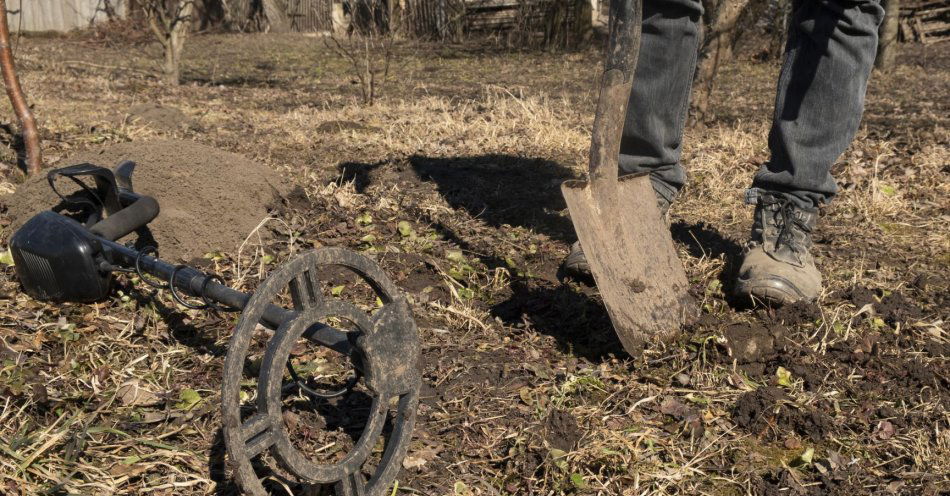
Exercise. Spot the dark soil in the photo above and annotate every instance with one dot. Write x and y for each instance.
(210, 199)
(561, 430)
(770, 414)
(869, 369)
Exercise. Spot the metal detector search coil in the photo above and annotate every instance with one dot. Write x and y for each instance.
(73, 256)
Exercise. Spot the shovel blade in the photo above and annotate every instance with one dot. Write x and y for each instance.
(631, 254)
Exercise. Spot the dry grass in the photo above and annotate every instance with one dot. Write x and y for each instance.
(92, 401)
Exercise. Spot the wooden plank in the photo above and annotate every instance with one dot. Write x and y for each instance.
(920, 31)
(923, 5)
(925, 12)
(494, 4)
(48, 20)
(933, 27)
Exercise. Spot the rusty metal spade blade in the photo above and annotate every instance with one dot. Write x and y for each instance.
(625, 239)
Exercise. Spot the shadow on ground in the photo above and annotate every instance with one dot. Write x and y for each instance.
(516, 191)
(503, 189)
(14, 141)
(525, 192)
(496, 188)
(703, 240)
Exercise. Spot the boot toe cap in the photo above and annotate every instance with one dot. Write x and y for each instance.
(575, 264)
(765, 279)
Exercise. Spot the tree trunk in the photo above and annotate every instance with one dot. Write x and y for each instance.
(717, 49)
(31, 137)
(339, 21)
(174, 41)
(172, 66)
(583, 21)
(276, 20)
(887, 36)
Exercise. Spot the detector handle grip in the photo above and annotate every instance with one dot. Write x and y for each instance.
(126, 211)
(142, 210)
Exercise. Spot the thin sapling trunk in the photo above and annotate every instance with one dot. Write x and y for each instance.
(31, 137)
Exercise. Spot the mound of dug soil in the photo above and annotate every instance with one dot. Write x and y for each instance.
(159, 117)
(210, 199)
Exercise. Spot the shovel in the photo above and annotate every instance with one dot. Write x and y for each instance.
(618, 223)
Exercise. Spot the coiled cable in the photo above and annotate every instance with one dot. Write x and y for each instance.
(208, 303)
(138, 267)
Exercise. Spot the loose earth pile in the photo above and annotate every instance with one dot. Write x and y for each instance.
(210, 199)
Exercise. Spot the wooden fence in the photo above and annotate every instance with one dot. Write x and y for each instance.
(926, 22)
(60, 15)
(552, 21)
(309, 15)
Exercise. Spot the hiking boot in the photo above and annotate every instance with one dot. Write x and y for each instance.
(575, 263)
(778, 268)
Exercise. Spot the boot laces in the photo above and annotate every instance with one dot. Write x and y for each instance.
(789, 223)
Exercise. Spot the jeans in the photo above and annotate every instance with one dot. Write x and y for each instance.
(818, 104)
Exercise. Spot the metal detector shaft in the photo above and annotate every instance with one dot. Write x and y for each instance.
(61, 259)
(197, 283)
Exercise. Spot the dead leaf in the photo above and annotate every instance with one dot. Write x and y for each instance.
(119, 470)
(895, 486)
(674, 408)
(102, 373)
(836, 460)
(39, 337)
(150, 417)
(418, 458)
(525, 394)
(411, 462)
(688, 416)
(132, 393)
(343, 199)
(884, 430)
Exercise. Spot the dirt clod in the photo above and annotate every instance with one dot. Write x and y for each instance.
(798, 313)
(770, 413)
(210, 199)
(892, 306)
(895, 308)
(561, 430)
(750, 343)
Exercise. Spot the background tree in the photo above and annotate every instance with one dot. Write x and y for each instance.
(170, 21)
(721, 26)
(366, 42)
(31, 137)
(887, 37)
(276, 19)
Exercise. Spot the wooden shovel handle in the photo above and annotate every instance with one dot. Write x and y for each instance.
(623, 49)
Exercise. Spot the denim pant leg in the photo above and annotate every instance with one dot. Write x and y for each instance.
(653, 131)
(820, 98)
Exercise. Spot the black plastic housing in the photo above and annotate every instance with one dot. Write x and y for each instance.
(57, 259)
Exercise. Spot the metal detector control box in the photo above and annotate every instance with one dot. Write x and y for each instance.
(56, 259)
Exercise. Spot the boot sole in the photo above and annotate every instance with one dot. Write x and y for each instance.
(776, 291)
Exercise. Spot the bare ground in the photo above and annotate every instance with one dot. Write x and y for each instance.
(526, 389)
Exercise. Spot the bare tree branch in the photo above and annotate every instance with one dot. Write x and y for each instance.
(31, 137)
(367, 45)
